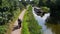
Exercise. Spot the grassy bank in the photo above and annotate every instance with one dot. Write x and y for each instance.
(29, 24)
(7, 28)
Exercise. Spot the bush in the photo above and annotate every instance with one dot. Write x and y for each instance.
(3, 29)
(45, 9)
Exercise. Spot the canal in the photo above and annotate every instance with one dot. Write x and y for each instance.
(46, 28)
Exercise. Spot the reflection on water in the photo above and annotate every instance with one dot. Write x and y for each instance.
(47, 28)
(54, 28)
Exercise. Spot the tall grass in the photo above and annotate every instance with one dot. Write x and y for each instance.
(30, 25)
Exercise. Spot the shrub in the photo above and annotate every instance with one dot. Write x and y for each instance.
(45, 9)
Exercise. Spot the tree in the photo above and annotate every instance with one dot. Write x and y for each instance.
(7, 9)
(36, 2)
(55, 11)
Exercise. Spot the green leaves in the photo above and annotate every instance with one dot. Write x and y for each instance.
(3, 29)
(45, 9)
(7, 9)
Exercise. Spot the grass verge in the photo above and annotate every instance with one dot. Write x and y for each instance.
(29, 24)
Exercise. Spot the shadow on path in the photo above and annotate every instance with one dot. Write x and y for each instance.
(15, 28)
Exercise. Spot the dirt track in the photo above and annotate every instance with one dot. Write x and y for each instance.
(15, 27)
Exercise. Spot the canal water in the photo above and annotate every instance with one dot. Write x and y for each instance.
(46, 28)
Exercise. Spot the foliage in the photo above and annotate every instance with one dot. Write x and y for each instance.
(30, 25)
(54, 8)
(36, 2)
(45, 9)
(3, 29)
(21, 6)
(55, 11)
(24, 3)
(8, 12)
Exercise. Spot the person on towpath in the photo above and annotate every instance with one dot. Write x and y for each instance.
(19, 23)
